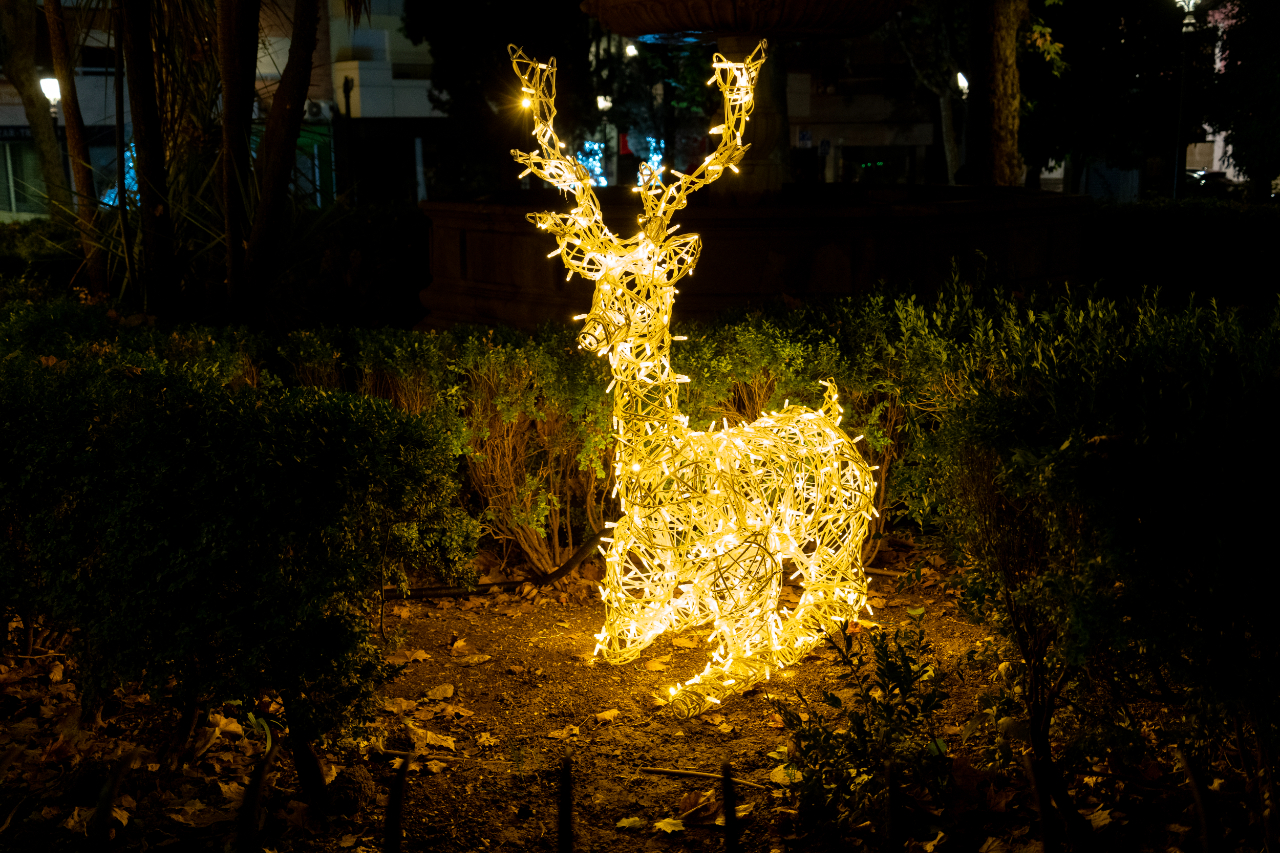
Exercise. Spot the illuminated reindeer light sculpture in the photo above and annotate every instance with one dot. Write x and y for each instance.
(708, 517)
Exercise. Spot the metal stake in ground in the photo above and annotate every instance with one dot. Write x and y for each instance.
(565, 844)
(730, 798)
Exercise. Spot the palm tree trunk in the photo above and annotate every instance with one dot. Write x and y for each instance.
(277, 155)
(77, 147)
(159, 289)
(18, 21)
(237, 60)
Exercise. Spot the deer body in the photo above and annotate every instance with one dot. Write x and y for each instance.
(708, 518)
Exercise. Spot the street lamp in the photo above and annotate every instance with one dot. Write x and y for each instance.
(1188, 26)
(49, 85)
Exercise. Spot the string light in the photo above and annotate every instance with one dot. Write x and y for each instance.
(709, 519)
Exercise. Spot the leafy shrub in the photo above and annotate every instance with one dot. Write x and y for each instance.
(316, 357)
(886, 745)
(1068, 470)
(408, 368)
(214, 543)
(537, 432)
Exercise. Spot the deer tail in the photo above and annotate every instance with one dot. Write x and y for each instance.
(830, 407)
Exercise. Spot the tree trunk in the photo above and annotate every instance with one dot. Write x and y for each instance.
(995, 94)
(18, 20)
(159, 291)
(950, 147)
(77, 147)
(277, 155)
(237, 62)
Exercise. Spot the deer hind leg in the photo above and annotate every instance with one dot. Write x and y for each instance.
(739, 592)
(835, 590)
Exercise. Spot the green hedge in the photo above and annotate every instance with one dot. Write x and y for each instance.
(1070, 451)
(211, 539)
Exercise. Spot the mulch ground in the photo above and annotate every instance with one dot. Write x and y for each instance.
(499, 689)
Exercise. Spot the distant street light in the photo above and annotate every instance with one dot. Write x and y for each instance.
(1188, 26)
(49, 85)
(1188, 6)
(963, 82)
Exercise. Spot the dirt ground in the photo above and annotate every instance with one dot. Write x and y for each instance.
(539, 697)
(498, 690)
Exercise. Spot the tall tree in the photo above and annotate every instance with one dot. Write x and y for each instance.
(237, 63)
(77, 146)
(160, 289)
(278, 151)
(995, 93)
(1246, 103)
(933, 35)
(470, 64)
(18, 22)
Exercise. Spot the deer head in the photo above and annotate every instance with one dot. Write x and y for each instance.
(635, 278)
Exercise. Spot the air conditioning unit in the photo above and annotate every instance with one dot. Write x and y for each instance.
(318, 111)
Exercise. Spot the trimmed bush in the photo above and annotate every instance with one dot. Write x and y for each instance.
(212, 543)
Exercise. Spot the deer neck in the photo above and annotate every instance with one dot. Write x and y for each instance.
(646, 412)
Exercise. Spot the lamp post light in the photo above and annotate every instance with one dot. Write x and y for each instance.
(49, 85)
(1188, 26)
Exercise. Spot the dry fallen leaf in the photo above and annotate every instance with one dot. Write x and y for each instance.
(684, 642)
(460, 648)
(443, 691)
(669, 825)
(741, 811)
(563, 734)
(658, 664)
(406, 656)
(400, 611)
(876, 602)
(930, 846)
(775, 722)
(433, 739)
(485, 739)
(785, 774)
(630, 823)
(607, 716)
(399, 705)
(725, 728)
(436, 766)
(473, 660)
(295, 813)
(55, 673)
(713, 718)
(347, 841)
(233, 791)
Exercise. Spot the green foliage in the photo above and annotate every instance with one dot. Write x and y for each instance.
(210, 539)
(1242, 104)
(538, 437)
(883, 742)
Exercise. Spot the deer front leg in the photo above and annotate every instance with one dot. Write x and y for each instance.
(638, 594)
(740, 589)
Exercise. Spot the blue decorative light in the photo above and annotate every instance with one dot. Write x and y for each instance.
(130, 180)
(657, 150)
(592, 156)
